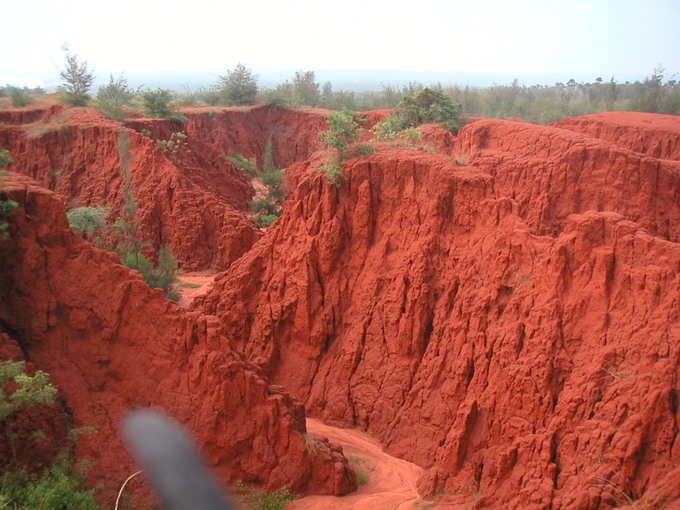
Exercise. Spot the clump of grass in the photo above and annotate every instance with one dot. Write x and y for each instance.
(253, 499)
(361, 467)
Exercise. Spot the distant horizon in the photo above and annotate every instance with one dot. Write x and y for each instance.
(356, 45)
(353, 80)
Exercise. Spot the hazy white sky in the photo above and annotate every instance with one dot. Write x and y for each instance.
(600, 36)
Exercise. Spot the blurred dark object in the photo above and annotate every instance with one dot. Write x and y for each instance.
(172, 463)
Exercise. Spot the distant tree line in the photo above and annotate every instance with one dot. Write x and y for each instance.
(239, 87)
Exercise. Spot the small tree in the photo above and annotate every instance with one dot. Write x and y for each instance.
(345, 131)
(157, 103)
(427, 105)
(306, 89)
(115, 98)
(18, 96)
(77, 79)
(238, 86)
(88, 222)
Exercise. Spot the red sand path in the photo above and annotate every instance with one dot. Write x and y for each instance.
(188, 291)
(391, 482)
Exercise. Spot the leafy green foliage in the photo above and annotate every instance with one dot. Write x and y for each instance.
(345, 130)
(238, 86)
(175, 144)
(7, 207)
(157, 103)
(266, 220)
(58, 487)
(268, 208)
(30, 390)
(333, 173)
(248, 165)
(306, 89)
(427, 105)
(115, 98)
(19, 97)
(77, 79)
(88, 222)
(261, 500)
(5, 158)
(124, 236)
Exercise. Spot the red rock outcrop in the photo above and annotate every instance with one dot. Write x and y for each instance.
(512, 326)
(193, 199)
(649, 133)
(112, 344)
(194, 202)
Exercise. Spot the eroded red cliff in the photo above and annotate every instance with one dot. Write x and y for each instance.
(112, 344)
(191, 196)
(511, 325)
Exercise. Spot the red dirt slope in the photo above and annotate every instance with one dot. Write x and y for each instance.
(112, 344)
(193, 199)
(513, 326)
(195, 202)
(649, 133)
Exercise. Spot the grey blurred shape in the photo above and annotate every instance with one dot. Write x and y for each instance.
(172, 463)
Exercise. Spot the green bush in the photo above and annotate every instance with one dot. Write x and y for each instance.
(5, 158)
(426, 106)
(266, 220)
(157, 103)
(7, 206)
(115, 98)
(238, 86)
(19, 97)
(76, 80)
(176, 143)
(88, 222)
(248, 165)
(306, 89)
(58, 487)
(261, 500)
(29, 390)
(345, 130)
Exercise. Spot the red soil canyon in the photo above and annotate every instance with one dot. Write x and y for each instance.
(493, 317)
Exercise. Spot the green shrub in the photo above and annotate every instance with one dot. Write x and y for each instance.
(345, 130)
(266, 220)
(248, 165)
(76, 80)
(30, 390)
(157, 104)
(88, 222)
(306, 89)
(238, 86)
(333, 173)
(426, 106)
(19, 97)
(176, 143)
(262, 500)
(365, 150)
(5, 158)
(58, 487)
(115, 98)
(7, 206)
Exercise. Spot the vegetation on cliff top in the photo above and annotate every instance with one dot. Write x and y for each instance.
(345, 130)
